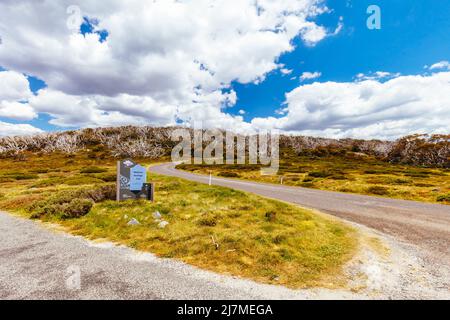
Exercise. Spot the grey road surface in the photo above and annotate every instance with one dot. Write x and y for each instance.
(424, 225)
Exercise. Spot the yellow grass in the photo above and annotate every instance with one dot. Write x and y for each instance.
(345, 173)
(214, 228)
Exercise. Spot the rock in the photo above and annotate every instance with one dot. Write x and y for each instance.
(163, 224)
(133, 222)
(157, 215)
(275, 278)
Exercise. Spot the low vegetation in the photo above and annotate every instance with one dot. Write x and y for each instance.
(214, 228)
(68, 204)
(344, 171)
(68, 178)
(154, 143)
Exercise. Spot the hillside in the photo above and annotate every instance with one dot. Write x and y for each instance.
(153, 143)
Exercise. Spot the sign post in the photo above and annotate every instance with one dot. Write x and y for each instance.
(131, 182)
(138, 176)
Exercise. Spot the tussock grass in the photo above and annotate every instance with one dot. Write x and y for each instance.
(444, 198)
(93, 170)
(214, 228)
(257, 238)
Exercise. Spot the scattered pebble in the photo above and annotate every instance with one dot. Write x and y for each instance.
(157, 215)
(133, 222)
(163, 224)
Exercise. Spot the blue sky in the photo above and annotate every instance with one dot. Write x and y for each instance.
(414, 33)
(138, 65)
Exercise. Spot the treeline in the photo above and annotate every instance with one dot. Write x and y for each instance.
(418, 150)
(128, 141)
(151, 142)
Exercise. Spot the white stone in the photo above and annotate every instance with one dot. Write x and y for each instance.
(133, 222)
(163, 224)
(157, 215)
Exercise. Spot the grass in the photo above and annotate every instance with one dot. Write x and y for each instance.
(346, 172)
(214, 228)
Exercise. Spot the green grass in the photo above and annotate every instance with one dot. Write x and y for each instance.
(93, 170)
(214, 228)
(345, 172)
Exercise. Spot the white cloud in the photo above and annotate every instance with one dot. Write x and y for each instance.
(339, 27)
(312, 33)
(285, 71)
(99, 110)
(310, 76)
(16, 110)
(14, 86)
(241, 112)
(440, 65)
(378, 75)
(161, 60)
(169, 60)
(9, 129)
(367, 109)
(14, 89)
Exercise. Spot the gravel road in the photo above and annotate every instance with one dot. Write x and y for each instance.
(425, 225)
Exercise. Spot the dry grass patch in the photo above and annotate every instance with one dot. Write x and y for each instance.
(227, 231)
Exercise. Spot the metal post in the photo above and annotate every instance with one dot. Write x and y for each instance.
(118, 182)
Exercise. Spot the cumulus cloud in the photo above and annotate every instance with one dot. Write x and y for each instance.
(440, 65)
(378, 75)
(169, 60)
(161, 61)
(14, 93)
(97, 110)
(14, 86)
(9, 129)
(367, 109)
(310, 76)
